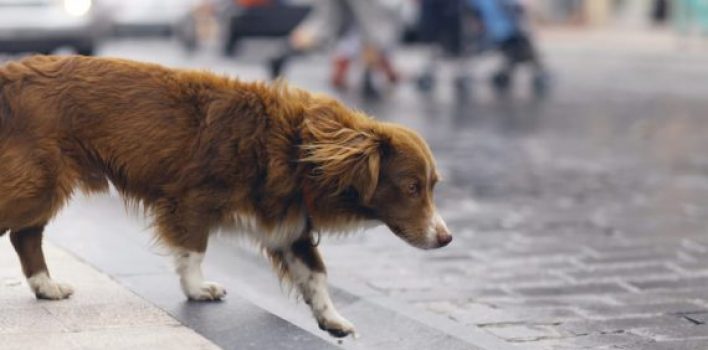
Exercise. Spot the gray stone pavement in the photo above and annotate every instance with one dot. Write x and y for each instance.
(580, 220)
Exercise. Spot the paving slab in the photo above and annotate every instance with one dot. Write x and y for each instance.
(101, 314)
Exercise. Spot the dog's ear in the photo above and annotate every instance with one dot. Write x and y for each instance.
(342, 156)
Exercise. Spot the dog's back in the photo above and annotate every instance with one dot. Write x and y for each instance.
(76, 121)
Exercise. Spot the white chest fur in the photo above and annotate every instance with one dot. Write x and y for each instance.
(285, 233)
(282, 235)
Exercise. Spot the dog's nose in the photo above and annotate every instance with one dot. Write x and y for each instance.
(444, 239)
(442, 233)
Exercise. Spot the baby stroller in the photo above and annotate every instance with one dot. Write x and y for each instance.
(462, 29)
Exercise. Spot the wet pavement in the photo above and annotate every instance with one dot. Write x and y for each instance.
(580, 221)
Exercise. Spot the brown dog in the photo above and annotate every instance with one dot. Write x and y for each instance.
(202, 152)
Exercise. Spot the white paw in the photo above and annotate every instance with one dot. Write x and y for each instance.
(206, 291)
(336, 325)
(46, 288)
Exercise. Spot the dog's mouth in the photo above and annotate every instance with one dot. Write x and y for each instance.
(408, 238)
(397, 230)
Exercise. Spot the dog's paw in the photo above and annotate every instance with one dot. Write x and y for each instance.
(336, 326)
(46, 288)
(207, 291)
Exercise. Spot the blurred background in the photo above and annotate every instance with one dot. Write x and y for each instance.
(571, 135)
(371, 46)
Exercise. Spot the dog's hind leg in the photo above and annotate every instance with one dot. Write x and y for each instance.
(303, 265)
(28, 244)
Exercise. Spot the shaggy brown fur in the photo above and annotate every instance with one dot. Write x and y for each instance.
(195, 149)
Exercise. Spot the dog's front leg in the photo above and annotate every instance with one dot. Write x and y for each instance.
(303, 264)
(189, 267)
(188, 244)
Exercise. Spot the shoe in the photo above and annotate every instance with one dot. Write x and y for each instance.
(368, 88)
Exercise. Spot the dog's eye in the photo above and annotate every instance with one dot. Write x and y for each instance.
(413, 188)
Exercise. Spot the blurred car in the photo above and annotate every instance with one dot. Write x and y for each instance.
(43, 26)
(147, 17)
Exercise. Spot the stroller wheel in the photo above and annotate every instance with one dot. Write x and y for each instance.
(501, 81)
(463, 87)
(541, 83)
(425, 82)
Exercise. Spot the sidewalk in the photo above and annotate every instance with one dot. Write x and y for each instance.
(100, 315)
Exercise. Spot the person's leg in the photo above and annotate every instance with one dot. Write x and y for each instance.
(348, 47)
(385, 64)
(340, 68)
(371, 66)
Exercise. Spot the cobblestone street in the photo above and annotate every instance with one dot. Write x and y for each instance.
(580, 222)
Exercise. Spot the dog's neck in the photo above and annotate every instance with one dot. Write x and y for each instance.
(339, 214)
(320, 122)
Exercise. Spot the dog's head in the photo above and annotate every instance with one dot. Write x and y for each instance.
(385, 171)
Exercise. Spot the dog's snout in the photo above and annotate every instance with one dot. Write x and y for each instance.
(444, 239)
